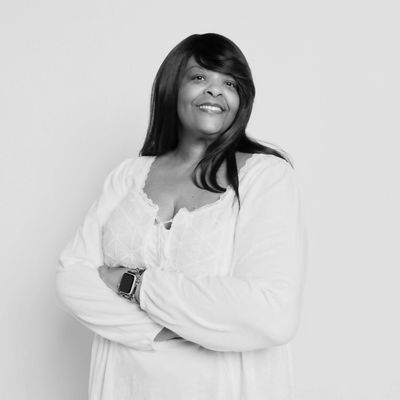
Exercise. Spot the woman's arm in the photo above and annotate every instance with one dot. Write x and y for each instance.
(112, 278)
(257, 307)
(80, 287)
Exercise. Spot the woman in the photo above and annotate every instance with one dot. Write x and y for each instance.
(188, 268)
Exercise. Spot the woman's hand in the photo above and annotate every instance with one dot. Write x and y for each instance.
(166, 334)
(112, 276)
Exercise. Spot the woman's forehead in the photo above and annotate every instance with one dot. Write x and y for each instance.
(192, 63)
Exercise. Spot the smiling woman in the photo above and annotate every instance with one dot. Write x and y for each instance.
(189, 267)
(207, 101)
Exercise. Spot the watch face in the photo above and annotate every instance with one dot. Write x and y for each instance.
(126, 283)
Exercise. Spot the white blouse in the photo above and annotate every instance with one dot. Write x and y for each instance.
(227, 281)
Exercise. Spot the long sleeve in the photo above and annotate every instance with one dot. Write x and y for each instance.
(258, 305)
(81, 289)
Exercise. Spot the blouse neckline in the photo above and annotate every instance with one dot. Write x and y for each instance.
(151, 204)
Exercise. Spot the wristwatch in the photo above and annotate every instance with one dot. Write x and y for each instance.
(129, 282)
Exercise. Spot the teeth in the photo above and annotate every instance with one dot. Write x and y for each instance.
(210, 108)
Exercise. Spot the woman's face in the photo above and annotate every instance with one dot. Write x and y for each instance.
(207, 101)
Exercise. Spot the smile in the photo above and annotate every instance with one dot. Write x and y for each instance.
(211, 108)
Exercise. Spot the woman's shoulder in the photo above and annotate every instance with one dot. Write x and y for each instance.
(130, 168)
(260, 170)
(251, 164)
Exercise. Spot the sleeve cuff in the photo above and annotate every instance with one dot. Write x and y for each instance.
(142, 296)
(148, 343)
(142, 304)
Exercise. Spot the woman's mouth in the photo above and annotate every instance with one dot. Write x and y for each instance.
(211, 108)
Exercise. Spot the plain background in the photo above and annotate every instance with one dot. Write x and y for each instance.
(75, 82)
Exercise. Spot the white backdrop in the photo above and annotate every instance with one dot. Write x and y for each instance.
(75, 82)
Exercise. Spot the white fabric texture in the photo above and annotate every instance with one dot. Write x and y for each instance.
(228, 281)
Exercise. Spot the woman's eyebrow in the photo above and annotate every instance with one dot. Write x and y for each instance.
(195, 66)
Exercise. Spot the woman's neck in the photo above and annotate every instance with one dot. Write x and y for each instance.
(189, 152)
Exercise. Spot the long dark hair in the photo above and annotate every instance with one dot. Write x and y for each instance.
(217, 53)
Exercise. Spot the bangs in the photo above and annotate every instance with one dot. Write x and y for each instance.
(229, 65)
(219, 63)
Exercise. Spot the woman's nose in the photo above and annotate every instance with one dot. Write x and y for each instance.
(213, 89)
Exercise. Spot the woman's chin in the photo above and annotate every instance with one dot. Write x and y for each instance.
(211, 130)
(204, 131)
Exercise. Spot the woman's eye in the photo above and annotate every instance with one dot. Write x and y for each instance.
(198, 77)
(231, 84)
